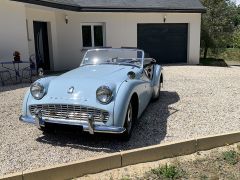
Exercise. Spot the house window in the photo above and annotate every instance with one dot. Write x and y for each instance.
(93, 35)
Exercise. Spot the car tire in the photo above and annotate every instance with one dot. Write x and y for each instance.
(129, 122)
(159, 92)
(46, 129)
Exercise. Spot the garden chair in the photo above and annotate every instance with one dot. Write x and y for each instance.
(30, 70)
(3, 74)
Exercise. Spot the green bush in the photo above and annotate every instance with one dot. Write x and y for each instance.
(227, 54)
(236, 38)
(231, 157)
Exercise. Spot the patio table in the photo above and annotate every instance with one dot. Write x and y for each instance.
(15, 67)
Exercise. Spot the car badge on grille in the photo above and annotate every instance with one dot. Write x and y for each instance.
(70, 90)
(67, 115)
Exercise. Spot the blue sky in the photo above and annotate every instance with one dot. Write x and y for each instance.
(238, 1)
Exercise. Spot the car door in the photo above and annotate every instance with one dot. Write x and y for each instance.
(146, 86)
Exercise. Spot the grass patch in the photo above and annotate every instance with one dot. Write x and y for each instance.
(231, 157)
(219, 163)
(230, 54)
(224, 57)
(125, 178)
(168, 172)
(203, 177)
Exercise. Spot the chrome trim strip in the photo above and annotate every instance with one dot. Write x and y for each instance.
(100, 128)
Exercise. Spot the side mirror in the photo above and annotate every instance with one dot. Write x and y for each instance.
(40, 72)
(131, 75)
(154, 61)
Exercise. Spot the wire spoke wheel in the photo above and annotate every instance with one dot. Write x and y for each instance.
(129, 118)
(159, 89)
(128, 122)
(158, 92)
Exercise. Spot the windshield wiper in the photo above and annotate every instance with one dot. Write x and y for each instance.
(108, 63)
(132, 61)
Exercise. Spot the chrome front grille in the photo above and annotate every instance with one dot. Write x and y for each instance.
(73, 112)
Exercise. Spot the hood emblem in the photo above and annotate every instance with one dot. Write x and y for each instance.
(70, 90)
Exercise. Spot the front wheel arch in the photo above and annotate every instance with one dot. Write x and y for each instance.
(127, 91)
(135, 101)
(161, 79)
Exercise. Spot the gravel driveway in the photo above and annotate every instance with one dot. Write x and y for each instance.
(195, 101)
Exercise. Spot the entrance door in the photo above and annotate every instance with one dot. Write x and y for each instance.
(41, 45)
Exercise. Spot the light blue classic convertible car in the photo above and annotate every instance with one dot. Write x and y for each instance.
(106, 94)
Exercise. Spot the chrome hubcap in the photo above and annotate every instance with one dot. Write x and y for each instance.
(159, 89)
(129, 118)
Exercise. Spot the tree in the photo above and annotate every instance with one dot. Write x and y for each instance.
(236, 38)
(236, 17)
(236, 35)
(217, 25)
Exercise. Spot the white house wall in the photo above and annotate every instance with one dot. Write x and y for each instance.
(121, 30)
(13, 35)
(66, 39)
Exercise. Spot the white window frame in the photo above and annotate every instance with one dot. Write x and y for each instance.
(92, 34)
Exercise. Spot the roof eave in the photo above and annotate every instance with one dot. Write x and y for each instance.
(142, 10)
(98, 9)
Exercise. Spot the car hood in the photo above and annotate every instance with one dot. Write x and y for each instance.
(86, 79)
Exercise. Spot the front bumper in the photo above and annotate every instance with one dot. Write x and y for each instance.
(87, 125)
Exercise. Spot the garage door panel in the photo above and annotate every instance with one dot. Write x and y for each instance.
(167, 43)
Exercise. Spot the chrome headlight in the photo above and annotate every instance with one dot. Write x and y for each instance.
(104, 94)
(37, 90)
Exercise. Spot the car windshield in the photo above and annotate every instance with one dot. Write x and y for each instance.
(113, 56)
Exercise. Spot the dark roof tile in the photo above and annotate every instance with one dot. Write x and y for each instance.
(123, 5)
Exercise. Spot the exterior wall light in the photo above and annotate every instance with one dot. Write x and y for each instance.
(164, 19)
(66, 19)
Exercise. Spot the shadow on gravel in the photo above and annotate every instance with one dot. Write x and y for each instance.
(150, 129)
(13, 87)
